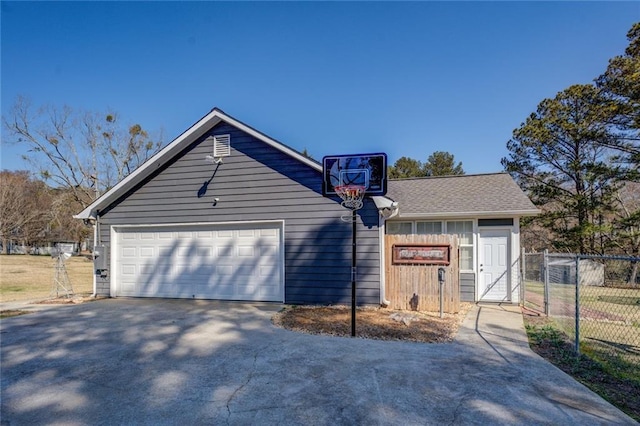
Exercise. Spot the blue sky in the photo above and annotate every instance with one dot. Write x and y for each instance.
(407, 79)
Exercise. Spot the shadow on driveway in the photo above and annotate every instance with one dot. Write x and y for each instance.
(155, 361)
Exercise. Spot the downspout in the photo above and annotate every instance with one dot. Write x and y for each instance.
(387, 208)
(383, 256)
(96, 242)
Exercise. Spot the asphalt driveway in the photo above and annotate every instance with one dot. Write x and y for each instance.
(150, 361)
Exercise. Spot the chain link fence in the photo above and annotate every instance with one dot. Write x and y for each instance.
(594, 299)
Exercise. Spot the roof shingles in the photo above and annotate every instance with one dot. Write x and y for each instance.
(460, 195)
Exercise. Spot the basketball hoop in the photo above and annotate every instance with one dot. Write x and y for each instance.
(349, 177)
(351, 195)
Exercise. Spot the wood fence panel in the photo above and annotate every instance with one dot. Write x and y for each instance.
(416, 287)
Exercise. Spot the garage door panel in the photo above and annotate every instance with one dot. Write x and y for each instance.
(225, 251)
(148, 271)
(267, 270)
(223, 291)
(202, 270)
(166, 252)
(268, 232)
(246, 233)
(204, 252)
(148, 252)
(270, 251)
(245, 271)
(245, 251)
(128, 288)
(241, 262)
(223, 270)
(129, 270)
(128, 252)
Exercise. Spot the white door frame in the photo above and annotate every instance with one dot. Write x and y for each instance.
(495, 232)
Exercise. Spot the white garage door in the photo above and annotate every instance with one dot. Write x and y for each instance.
(230, 262)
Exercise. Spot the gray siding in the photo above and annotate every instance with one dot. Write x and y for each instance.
(258, 182)
(467, 287)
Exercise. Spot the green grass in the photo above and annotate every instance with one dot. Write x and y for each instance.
(617, 381)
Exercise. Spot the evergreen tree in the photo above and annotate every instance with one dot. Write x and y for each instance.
(442, 163)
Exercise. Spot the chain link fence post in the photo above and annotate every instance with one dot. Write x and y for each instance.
(577, 339)
(545, 263)
(523, 275)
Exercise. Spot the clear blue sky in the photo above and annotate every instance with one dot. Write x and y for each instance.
(407, 79)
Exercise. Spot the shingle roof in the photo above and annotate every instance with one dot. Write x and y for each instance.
(485, 194)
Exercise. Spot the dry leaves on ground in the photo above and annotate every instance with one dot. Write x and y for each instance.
(373, 323)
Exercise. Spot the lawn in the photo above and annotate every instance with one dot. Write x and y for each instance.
(25, 277)
(609, 319)
(618, 383)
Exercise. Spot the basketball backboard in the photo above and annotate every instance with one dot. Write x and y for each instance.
(367, 170)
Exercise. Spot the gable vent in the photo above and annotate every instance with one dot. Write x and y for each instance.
(221, 145)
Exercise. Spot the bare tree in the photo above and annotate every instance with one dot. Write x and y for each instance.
(62, 225)
(624, 236)
(85, 152)
(24, 208)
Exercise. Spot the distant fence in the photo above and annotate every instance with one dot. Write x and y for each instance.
(593, 299)
(44, 249)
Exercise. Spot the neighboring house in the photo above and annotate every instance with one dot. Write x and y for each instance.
(484, 211)
(256, 227)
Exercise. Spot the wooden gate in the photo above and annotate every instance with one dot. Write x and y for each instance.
(415, 286)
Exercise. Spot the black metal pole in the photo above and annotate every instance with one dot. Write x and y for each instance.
(353, 273)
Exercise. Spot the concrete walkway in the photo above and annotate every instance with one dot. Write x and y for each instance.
(137, 361)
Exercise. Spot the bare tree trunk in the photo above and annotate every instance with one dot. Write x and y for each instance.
(634, 274)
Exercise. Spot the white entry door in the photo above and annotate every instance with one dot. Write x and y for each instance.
(494, 262)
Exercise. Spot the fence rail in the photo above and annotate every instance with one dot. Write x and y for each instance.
(593, 299)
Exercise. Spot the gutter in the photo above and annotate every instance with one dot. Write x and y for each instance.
(476, 214)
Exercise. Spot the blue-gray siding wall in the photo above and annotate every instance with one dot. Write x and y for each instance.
(258, 182)
(467, 287)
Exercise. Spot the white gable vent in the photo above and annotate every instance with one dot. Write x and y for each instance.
(221, 146)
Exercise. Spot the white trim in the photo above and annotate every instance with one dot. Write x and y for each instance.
(115, 229)
(113, 242)
(161, 225)
(468, 215)
(509, 235)
(165, 155)
(93, 261)
(383, 255)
